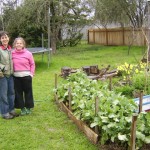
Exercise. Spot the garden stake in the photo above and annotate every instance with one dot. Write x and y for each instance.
(133, 132)
(96, 112)
(110, 83)
(55, 96)
(141, 101)
(69, 93)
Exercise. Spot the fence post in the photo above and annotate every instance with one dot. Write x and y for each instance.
(70, 97)
(123, 36)
(133, 132)
(140, 101)
(96, 111)
(94, 36)
(56, 96)
(106, 37)
(110, 83)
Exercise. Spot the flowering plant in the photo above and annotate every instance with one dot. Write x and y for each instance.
(129, 70)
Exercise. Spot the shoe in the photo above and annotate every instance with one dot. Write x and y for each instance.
(14, 114)
(23, 111)
(8, 117)
(28, 111)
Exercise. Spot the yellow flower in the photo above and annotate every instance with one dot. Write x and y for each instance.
(128, 72)
(131, 66)
(126, 65)
(136, 70)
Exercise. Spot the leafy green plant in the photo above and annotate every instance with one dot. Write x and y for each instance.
(126, 90)
(115, 110)
(138, 81)
(143, 129)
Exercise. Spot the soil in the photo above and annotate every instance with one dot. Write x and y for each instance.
(146, 147)
(111, 146)
(117, 147)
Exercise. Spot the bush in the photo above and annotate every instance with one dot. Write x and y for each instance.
(125, 90)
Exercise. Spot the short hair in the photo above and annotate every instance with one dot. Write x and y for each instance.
(19, 38)
(2, 33)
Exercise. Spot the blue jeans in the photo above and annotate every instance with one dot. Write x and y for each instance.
(7, 95)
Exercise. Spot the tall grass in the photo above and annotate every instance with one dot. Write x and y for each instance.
(47, 128)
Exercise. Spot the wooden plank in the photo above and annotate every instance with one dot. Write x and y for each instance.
(90, 134)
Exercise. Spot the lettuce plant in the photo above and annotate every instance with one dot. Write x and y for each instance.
(114, 117)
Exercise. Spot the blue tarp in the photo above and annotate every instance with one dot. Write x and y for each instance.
(146, 102)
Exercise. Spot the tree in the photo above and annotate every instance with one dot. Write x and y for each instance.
(3, 5)
(32, 17)
(130, 12)
(65, 15)
(18, 23)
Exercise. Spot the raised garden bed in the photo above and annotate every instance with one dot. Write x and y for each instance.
(93, 135)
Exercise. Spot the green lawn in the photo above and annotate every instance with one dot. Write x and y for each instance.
(47, 128)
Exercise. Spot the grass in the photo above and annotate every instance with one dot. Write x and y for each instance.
(47, 128)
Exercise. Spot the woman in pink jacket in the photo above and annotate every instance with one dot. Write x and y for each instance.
(24, 67)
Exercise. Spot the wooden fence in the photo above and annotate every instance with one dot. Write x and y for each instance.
(118, 36)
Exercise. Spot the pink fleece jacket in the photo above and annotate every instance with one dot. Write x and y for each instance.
(23, 61)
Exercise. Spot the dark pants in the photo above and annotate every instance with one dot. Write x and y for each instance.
(23, 92)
